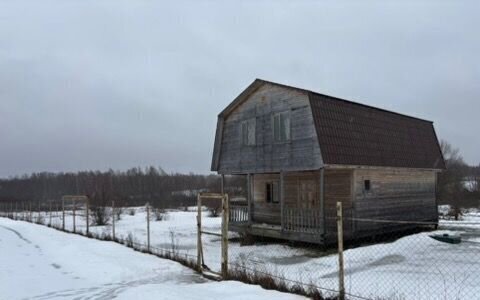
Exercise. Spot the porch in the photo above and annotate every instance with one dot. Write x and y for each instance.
(298, 206)
(303, 225)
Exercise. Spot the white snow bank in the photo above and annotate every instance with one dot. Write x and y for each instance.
(43, 263)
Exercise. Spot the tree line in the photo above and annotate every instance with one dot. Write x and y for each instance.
(135, 186)
(458, 185)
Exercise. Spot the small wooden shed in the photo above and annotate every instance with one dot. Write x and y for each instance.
(303, 151)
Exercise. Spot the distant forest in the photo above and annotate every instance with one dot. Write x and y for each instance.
(135, 186)
(458, 186)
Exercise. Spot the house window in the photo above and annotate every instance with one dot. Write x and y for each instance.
(248, 132)
(281, 126)
(271, 192)
(366, 185)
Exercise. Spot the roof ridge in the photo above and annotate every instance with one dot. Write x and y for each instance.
(344, 100)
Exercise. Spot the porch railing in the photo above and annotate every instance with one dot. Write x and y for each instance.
(238, 213)
(305, 220)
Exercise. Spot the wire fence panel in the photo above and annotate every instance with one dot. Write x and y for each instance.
(383, 258)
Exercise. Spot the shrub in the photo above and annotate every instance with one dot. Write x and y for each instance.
(160, 214)
(40, 219)
(214, 212)
(100, 215)
(129, 240)
(131, 211)
(118, 213)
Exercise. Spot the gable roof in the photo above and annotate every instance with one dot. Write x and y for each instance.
(351, 133)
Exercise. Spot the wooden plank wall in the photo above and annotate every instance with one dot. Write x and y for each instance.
(395, 194)
(302, 152)
(264, 212)
(338, 187)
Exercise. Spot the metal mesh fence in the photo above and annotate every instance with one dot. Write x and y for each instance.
(402, 260)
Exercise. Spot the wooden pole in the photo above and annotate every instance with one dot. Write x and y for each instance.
(222, 184)
(50, 213)
(16, 210)
(113, 220)
(63, 214)
(57, 211)
(323, 216)
(341, 274)
(30, 209)
(148, 227)
(249, 198)
(74, 227)
(282, 201)
(225, 236)
(87, 213)
(199, 233)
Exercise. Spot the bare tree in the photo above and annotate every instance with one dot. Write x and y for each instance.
(450, 182)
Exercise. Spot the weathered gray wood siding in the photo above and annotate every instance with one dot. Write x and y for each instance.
(338, 188)
(395, 194)
(270, 213)
(302, 152)
(263, 212)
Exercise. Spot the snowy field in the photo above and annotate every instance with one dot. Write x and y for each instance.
(412, 267)
(42, 263)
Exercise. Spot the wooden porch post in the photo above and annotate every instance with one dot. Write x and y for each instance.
(322, 199)
(222, 184)
(249, 198)
(282, 200)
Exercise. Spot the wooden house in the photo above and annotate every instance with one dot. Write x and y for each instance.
(303, 151)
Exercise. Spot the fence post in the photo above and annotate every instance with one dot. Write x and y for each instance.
(113, 219)
(148, 227)
(341, 279)
(225, 236)
(74, 227)
(30, 209)
(199, 233)
(63, 214)
(16, 210)
(50, 213)
(86, 216)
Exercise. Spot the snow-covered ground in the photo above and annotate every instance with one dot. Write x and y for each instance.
(37, 262)
(412, 267)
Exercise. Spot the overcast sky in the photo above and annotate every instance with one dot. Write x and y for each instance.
(116, 84)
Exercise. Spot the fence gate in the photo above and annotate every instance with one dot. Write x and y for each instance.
(214, 202)
(76, 205)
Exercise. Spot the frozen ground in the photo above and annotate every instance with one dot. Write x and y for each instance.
(42, 263)
(413, 267)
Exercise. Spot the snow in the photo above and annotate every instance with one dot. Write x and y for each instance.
(412, 267)
(42, 263)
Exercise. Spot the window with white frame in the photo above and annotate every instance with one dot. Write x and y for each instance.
(248, 132)
(281, 126)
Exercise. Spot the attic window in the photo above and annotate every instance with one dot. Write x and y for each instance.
(248, 132)
(366, 185)
(281, 126)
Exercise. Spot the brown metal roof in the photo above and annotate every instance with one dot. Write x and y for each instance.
(350, 133)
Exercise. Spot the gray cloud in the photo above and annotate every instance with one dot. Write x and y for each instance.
(100, 84)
